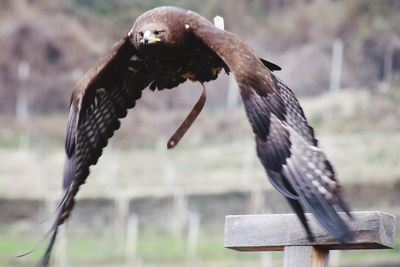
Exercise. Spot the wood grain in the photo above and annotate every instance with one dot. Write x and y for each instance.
(272, 232)
(305, 256)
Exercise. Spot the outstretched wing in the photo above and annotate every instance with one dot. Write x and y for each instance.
(295, 164)
(99, 100)
(285, 142)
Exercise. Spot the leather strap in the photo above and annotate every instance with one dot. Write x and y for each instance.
(190, 118)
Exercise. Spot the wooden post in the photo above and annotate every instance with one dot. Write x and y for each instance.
(22, 112)
(248, 158)
(233, 94)
(131, 239)
(305, 256)
(61, 258)
(121, 218)
(336, 68)
(276, 232)
(192, 237)
(388, 63)
(180, 212)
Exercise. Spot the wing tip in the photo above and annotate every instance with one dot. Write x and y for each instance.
(271, 66)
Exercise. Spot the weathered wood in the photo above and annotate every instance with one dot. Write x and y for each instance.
(272, 232)
(305, 256)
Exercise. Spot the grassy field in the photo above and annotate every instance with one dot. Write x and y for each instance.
(361, 139)
(161, 249)
(364, 157)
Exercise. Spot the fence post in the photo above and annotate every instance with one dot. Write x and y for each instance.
(121, 218)
(131, 239)
(336, 68)
(192, 236)
(22, 112)
(277, 232)
(305, 256)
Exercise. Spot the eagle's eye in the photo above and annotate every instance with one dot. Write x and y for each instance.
(158, 33)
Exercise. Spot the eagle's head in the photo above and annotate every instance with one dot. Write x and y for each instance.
(159, 27)
(150, 34)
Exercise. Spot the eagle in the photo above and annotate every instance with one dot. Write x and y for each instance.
(167, 46)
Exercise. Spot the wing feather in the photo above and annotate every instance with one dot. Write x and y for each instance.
(286, 145)
(99, 100)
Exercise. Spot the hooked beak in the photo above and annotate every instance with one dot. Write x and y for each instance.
(149, 38)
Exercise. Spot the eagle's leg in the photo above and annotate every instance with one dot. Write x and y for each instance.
(190, 118)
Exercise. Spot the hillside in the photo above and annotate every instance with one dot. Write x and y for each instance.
(47, 46)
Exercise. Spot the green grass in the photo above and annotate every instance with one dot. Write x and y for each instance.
(158, 248)
(154, 247)
(372, 256)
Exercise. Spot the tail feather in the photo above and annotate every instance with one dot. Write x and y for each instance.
(45, 260)
(298, 209)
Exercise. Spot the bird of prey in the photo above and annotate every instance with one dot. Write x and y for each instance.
(167, 46)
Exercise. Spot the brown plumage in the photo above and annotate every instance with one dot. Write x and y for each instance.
(165, 47)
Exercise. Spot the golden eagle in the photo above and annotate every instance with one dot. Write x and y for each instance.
(165, 47)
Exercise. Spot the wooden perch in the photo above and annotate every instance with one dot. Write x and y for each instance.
(275, 232)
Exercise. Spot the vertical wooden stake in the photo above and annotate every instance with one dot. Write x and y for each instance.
(248, 157)
(305, 256)
(180, 212)
(388, 63)
(319, 257)
(336, 68)
(192, 236)
(22, 105)
(61, 258)
(121, 218)
(131, 240)
(233, 93)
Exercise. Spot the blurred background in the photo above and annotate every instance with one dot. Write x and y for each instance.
(146, 206)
